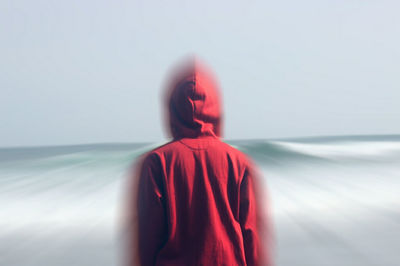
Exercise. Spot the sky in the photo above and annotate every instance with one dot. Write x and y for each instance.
(74, 72)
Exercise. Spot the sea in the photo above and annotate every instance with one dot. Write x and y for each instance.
(332, 201)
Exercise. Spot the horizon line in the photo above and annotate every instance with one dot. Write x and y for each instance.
(227, 140)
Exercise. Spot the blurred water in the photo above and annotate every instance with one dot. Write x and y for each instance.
(334, 201)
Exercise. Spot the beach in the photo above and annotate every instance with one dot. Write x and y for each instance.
(332, 200)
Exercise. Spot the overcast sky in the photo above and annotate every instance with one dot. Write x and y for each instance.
(92, 71)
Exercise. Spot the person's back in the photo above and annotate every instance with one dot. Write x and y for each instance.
(196, 202)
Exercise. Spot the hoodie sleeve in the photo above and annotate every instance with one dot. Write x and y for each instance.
(152, 225)
(252, 220)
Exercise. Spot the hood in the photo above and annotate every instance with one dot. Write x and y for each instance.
(193, 102)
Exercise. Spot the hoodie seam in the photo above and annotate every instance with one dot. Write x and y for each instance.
(194, 148)
(193, 94)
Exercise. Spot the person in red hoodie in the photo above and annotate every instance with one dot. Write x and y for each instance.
(196, 198)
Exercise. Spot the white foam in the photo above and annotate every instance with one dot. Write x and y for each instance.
(344, 149)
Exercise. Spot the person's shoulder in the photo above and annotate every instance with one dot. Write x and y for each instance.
(159, 151)
(151, 154)
(235, 152)
(165, 148)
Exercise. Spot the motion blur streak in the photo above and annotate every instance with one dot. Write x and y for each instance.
(335, 201)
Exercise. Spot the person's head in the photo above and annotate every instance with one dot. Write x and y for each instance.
(193, 101)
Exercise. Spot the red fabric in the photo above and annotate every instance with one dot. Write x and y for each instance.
(196, 198)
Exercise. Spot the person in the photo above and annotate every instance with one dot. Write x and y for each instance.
(197, 199)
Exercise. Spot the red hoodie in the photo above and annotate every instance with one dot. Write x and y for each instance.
(196, 201)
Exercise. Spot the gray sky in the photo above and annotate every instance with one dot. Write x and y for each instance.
(91, 71)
